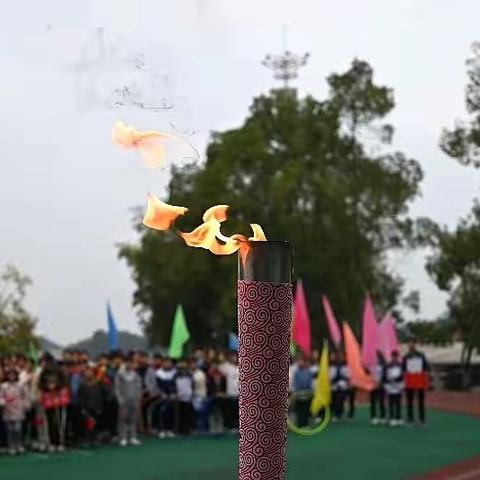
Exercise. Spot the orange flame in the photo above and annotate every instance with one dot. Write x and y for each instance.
(150, 143)
(161, 215)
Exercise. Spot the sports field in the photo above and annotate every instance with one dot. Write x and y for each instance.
(352, 450)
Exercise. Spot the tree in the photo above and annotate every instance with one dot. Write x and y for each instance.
(16, 324)
(455, 262)
(463, 142)
(299, 167)
(455, 267)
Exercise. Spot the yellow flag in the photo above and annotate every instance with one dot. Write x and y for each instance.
(322, 394)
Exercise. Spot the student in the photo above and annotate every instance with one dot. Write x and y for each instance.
(377, 395)
(128, 390)
(152, 395)
(416, 370)
(394, 388)
(15, 401)
(184, 387)
(166, 388)
(89, 402)
(230, 370)
(339, 381)
(200, 395)
(216, 386)
(55, 398)
(302, 390)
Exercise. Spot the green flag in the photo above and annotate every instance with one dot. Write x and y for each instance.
(34, 355)
(180, 334)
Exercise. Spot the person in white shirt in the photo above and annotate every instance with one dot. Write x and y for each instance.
(230, 370)
(377, 395)
(340, 383)
(200, 396)
(394, 388)
(184, 389)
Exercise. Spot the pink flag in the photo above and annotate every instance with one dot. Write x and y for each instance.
(358, 376)
(333, 328)
(388, 336)
(301, 321)
(370, 335)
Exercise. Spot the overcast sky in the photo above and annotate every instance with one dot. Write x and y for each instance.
(65, 191)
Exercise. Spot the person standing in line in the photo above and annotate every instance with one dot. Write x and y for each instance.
(230, 370)
(200, 398)
(15, 401)
(89, 402)
(416, 370)
(152, 395)
(55, 398)
(128, 390)
(184, 389)
(216, 386)
(394, 387)
(167, 390)
(377, 395)
(302, 391)
(339, 381)
(350, 391)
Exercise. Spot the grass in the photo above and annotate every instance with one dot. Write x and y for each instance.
(352, 450)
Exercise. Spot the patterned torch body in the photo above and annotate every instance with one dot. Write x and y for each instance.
(264, 324)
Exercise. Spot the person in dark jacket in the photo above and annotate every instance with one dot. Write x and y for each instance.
(89, 401)
(184, 399)
(340, 383)
(55, 398)
(167, 391)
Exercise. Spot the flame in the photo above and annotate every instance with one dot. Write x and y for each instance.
(208, 234)
(161, 215)
(150, 143)
(258, 234)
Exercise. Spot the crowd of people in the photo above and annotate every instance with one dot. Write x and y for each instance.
(77, 402)
(394, 380)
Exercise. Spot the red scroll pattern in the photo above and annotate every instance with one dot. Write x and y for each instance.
(264, 324)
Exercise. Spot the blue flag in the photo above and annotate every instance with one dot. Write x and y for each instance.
(112, 330)
(233, 342)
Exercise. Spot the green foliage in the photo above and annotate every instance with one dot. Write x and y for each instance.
(16, 324)
(455, 267)
(298, 167)
(431, 333)
(463, 142)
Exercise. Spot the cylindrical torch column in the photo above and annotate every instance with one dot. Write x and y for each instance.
(264, 325)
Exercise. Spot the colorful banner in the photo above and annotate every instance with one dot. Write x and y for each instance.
(359, 378)
(388, 336)
(301, 322)
(180, 334)
(332, 324)
(112, 330)
(322, 395)
(370, 335)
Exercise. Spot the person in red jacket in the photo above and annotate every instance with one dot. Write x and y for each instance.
(417, 378)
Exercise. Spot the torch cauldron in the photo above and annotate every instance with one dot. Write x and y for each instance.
(264, 324)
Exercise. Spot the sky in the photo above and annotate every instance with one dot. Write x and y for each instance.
(66, 192)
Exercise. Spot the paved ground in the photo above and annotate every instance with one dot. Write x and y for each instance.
(465, 403)
(346, 451)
